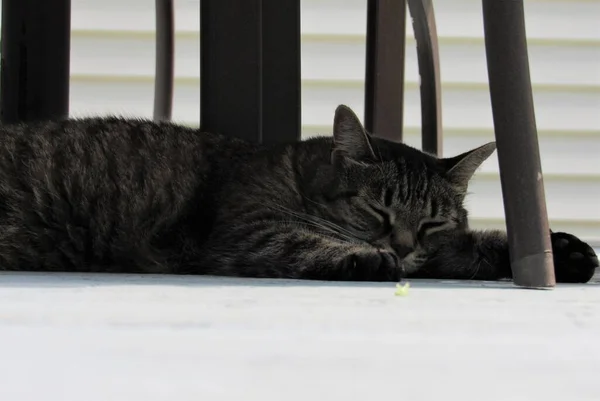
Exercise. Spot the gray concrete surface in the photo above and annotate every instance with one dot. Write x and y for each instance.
(104, 337)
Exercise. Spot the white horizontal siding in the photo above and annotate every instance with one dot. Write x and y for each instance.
(130, 97)
(462, 60)
(112, 65)
(546, 19)
(130, 15)
(466, 106)
(564, 194)
(106, 55)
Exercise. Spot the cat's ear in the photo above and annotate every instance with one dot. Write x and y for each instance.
(350, 140)
(460, 169)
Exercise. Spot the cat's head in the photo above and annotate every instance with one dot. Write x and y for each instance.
(392, 195)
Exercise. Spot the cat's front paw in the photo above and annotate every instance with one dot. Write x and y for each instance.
(574, 260)
(373, 265)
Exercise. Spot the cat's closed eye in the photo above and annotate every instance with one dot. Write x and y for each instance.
(385, 218)
(427, 227)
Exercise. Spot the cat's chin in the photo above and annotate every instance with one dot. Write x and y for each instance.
(411, 263)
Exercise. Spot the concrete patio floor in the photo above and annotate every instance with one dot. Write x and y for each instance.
(72, 337)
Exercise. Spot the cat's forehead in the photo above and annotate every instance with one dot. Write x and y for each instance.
(425, 184)
(412, 175)
(403, 169)
(405, 158)
(388, 151)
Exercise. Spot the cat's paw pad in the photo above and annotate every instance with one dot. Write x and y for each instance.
(574, 260)
(373, 265)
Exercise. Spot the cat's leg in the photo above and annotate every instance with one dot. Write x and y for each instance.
(484, 255)
(270, 249)
(468, 255)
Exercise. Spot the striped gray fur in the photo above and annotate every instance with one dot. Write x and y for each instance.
(118, 195)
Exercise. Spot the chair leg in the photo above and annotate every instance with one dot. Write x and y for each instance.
(384, 80)
(429, 71)
(165, 59)
(518, 150)
(281, 78)
(34, 79)
(250, 69)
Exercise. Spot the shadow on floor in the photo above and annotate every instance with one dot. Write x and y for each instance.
(83, 280)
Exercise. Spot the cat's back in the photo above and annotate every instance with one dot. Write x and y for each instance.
(120, 148)
(104, 137)
(88, 191)
(83, 157)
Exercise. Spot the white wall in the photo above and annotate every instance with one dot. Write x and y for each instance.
(113, 66)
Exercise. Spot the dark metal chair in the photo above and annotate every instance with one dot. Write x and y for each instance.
(512, 107)
(384, 81)
(165, 59)
(250, 63)
(36, 36)
(251, 69)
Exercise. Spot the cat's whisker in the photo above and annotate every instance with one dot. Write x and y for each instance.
(315, 202)
(321, 223)
(328, 236)
(304, 219)
(477, 269)
(357, 228)
(311, 218)
(335, 227)
(339, 234)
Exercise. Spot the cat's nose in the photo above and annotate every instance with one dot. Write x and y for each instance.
(402, 250)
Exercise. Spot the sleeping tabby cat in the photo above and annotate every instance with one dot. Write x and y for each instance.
(118, 195)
